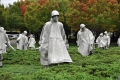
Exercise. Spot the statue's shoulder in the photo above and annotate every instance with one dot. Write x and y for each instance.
(60, 23)
(48, 23)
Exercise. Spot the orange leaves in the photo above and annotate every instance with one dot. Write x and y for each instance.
(23, 6)
(57, 5)
(74, 4)
(112, 1)
(42, 2)
(23, 9)
(84, 8)
(81, 6)
(92, 1)
(92, 20)
(22, 2)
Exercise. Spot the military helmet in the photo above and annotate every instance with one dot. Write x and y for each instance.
(82, 25)
(55, 13)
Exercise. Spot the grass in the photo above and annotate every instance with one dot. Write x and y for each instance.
(25, 65)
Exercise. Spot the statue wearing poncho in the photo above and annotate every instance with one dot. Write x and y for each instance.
(85, 40)
(53, 49)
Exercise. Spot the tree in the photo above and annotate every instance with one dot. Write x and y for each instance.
(2, 20)
(31, 17)
(13, 19)
(38, 13)
(96, 14)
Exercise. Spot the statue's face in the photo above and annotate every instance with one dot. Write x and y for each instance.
(105, 33)
(83, 28)
(25, 33)
(55, 18)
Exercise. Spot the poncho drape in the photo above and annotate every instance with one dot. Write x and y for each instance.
(85, 41)
(53, 49)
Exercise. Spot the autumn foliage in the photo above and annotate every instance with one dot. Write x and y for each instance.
(23, 5)
(42, 2)
(96, 14)
(23, 9)
(112, 1)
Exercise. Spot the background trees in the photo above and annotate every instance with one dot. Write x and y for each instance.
(2, 20)
(98, 15)
(13, 19)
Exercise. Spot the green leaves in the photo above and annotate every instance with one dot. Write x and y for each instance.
(97, 15)
(102, 65)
